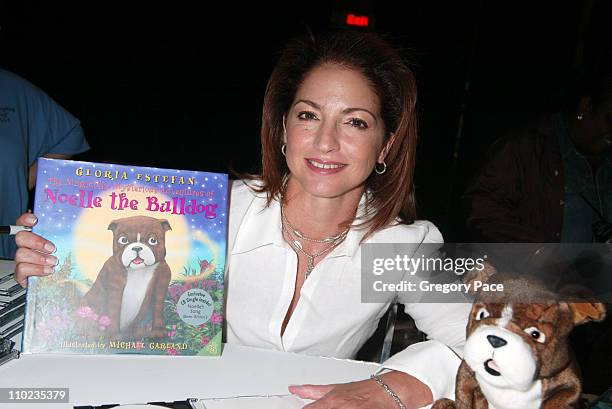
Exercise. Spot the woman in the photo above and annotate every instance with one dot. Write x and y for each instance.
(338, 143)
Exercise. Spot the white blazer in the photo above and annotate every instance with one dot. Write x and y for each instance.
(329, 319)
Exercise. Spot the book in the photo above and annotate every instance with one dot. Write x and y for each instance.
(12, 302)
(141, 256)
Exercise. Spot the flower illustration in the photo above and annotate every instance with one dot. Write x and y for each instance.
(174, 292)
(204, 341)
(172, 351)
(172, 333)
(104, 321)
(216, 318)
(84, 312)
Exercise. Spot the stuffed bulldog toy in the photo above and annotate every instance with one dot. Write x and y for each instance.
(517, 354)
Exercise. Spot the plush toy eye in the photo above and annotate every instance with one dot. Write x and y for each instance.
(536, 334)
(123, 240)
(153, 240)
(482, 314)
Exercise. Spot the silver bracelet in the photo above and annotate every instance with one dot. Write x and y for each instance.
(396, 398)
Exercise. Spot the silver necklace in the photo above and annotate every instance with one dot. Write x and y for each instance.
(296, 235)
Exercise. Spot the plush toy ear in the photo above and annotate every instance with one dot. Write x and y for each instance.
(583, 312)
(165, 225)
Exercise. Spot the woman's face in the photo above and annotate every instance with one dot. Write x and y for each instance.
(334, 132)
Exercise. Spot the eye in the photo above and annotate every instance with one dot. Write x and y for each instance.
(358, 123)
(536, 334)
(123, 240)
(307, 115)
(482, 314)
(153, 241)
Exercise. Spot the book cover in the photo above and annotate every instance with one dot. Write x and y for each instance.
(141, 258)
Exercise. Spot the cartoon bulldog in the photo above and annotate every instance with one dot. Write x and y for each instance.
(517, 354)
(132, 283)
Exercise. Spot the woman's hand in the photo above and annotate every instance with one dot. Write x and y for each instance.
(367, 394)
(33, 256)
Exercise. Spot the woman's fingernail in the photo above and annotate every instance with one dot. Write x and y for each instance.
(52, 261)
(49, 247)
(31, 219)
(48, 270)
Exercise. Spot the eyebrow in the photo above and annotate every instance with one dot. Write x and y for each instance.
(345, 111)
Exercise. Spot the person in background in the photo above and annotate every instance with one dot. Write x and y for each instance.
(32, 125)
(550, 181)
(338, 153)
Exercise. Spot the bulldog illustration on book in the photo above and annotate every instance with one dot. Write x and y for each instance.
(132, 283)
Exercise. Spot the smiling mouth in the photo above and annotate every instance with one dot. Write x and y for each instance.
(491, 367)
(137, 260)
(321, 165)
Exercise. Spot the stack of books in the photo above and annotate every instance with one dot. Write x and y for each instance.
(12, 302)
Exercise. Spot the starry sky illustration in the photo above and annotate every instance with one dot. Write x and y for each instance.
(57, 220)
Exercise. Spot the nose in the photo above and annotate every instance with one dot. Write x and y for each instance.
(137, 249)
(327, 137)
(496, 342)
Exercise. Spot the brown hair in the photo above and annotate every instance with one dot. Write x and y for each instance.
(391, 195)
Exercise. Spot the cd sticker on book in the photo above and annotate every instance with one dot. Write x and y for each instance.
(195, 306)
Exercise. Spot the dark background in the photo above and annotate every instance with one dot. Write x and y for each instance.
(175, 85)
(179, 86)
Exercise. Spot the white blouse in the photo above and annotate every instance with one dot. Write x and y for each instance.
(329, 318)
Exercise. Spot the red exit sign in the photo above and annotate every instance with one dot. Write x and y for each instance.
(360, 21)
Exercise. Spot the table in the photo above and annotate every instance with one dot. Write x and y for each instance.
(240, 371)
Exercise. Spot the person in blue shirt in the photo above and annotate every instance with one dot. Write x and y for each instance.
(32, 125)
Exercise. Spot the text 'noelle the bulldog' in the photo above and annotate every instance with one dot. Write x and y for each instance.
(88, 199)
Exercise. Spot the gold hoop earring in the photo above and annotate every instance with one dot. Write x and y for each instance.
(384, 168)
(284, 149)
